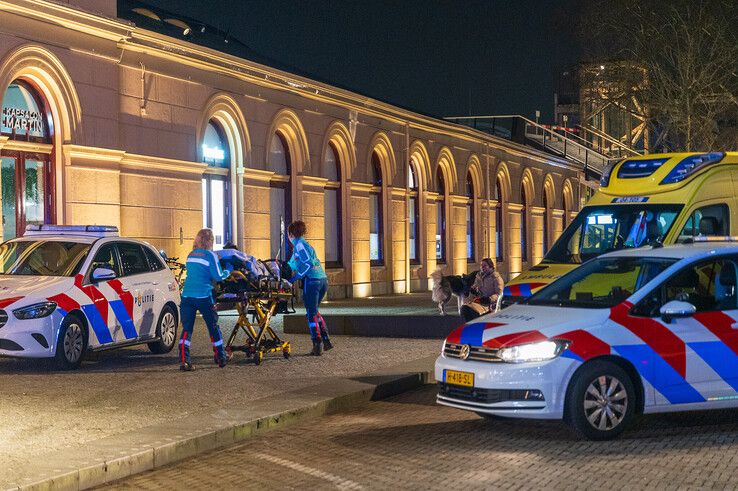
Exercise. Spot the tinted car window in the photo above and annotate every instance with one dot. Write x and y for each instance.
(42, 257)
(133, 259)
(155, 261)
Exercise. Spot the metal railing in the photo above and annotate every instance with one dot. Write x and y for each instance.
(616, 150)
(522, 130)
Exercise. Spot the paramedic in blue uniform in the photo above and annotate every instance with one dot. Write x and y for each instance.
(306, 266)
(203, 268)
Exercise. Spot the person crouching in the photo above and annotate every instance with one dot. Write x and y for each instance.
(306, 265)
(203, 268)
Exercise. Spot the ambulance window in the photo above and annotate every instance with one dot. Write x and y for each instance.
(106, 257)
(155, 262)
(132, 258)
(710, 220)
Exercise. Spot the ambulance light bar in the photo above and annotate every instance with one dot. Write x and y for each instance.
(91, 230)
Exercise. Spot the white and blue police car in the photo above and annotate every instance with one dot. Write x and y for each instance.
(65, 290)
(646, 330)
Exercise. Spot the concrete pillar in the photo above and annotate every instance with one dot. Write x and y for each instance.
(457, 256)
(361, 274)
(395, 242)
(256, 213)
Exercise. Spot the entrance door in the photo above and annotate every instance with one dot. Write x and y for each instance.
(26, 191)
(216, 209)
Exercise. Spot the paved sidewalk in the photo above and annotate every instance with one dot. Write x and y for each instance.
(119, 391)
(409, 442)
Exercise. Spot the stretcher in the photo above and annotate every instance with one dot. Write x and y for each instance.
(257, 301)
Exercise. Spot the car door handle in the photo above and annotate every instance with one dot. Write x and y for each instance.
(154, 282)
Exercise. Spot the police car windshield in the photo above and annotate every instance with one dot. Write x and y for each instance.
(601, 283)
(42, 257)
(605, 228)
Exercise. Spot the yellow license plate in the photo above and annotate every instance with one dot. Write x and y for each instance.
(460, 378)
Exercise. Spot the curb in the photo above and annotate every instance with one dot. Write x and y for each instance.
(419, 326)
(120, 456)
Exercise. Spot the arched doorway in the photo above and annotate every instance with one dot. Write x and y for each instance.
(216, 184)
(26, 176)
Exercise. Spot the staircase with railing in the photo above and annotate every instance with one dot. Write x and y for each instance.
(563, 143)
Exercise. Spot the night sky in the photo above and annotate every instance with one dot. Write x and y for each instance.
(439, 57)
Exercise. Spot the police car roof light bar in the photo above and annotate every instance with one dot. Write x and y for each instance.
(715, 238)
(94, 230)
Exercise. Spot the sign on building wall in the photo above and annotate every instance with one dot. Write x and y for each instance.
(17, 120)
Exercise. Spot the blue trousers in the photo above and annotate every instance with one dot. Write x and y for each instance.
(313, 292)
(188, 309)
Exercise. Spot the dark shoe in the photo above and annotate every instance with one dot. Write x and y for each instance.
(225, 359)
(186, 367)
(317, 348)
(327, 345)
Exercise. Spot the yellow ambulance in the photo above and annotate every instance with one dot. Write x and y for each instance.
(645, 200)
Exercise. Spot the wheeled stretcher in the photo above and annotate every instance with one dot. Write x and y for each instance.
(257, 300)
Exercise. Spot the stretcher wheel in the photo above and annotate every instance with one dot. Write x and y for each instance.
(286, 354)
(258, 356)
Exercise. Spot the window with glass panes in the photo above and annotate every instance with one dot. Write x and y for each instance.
(280, 197)
(413, 214)
(376, 224)
(469, 218)
(523, 225)
(332, 207)
(499, 232)
(441, 218)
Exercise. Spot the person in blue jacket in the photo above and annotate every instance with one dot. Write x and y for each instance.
(306, 266)
(203, 268)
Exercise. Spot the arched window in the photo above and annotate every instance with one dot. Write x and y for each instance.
(470, 218)
(413, 213)
(332, 207)
(376, 222)
(441, 218)
(280, 197)
(499, 235)
(26, 178)
(545, 222)
(523, 225)
(216, 192)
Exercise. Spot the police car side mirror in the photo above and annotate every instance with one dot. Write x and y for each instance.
(677, 309)
(102, 274)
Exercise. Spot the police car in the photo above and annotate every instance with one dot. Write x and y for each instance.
(65, 290)
(636, 331)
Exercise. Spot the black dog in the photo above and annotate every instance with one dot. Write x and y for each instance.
(445, 287)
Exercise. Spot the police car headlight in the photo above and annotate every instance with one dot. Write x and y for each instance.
(545, 350)
(35, 311)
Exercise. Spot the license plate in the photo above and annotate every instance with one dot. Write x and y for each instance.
(454, 377)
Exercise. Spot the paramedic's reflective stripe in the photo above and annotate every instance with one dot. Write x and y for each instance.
(197, 260)
(218, 343)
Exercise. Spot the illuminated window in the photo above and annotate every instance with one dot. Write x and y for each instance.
(26, 177)
(413, 213)
(280, 198)
(523, 225)
(499, 235)
(469, 218)
(441, 218)
(545, 222)
(376, 224)
(332, 207)
(216, 195)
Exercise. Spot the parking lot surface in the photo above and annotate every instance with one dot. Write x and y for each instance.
(408, 442)
(45, 410)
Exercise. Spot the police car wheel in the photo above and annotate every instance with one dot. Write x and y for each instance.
(71, 343)
(166, 331)
(601, 401)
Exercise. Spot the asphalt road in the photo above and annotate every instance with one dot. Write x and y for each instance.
(408, 442)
